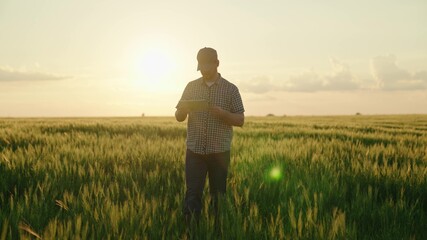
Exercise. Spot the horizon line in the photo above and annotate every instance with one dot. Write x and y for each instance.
(171, 116)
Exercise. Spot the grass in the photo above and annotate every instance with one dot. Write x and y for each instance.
(347, 177)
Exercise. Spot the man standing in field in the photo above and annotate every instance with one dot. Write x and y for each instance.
(209, 131)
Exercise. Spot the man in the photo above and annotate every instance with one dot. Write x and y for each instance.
(209, 131)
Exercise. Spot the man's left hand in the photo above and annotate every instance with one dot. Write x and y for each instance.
(218, 111)
(232, 119)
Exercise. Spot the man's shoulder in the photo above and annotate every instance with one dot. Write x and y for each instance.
(229, 84)
(194, 84)
(195, 81)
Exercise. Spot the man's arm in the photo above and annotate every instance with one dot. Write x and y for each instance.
(182, 112)
(232, 119)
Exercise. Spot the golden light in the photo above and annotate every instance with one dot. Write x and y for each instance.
(154, 69)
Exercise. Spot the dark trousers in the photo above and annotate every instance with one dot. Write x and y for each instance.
(196, 168)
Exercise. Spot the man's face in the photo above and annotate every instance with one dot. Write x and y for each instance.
(208, 70)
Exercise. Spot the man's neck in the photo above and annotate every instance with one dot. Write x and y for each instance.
(212, 79)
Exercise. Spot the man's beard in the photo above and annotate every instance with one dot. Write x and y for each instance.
(208, 75)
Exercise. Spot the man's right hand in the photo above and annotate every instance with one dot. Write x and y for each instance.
(181, 114)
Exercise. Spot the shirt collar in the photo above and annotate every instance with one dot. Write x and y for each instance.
(218, 81)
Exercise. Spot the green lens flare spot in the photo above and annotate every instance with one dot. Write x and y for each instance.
(275, 173)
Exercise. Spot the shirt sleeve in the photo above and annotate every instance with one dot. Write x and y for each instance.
(236, 102)
(185, 95)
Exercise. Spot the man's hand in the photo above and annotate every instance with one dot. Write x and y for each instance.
(233, 119)
(218, 111)
(181, 114)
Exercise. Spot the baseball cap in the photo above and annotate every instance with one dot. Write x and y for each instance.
(206, 55)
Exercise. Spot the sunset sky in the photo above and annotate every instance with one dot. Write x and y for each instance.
(125, 58)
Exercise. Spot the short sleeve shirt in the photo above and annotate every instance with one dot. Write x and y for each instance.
(206, 133)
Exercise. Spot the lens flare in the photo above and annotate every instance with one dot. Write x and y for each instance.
(275, 173)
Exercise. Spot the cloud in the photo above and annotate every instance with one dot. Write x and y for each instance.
(385, 75)
(340, 78)
(9, 74)
(308, 81)
(260, 84)
(389, 76)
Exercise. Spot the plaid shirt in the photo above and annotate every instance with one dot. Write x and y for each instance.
(206, 133)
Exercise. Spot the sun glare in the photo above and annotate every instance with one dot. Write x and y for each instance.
(154, 69)
(155, 64)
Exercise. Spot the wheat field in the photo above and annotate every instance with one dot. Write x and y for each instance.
(331, 177)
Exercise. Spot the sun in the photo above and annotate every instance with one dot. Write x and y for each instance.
(155, 64)
(154, 69)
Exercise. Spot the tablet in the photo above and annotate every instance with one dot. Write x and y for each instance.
(194, 105)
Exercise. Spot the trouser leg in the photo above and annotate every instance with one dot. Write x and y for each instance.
(195, 177)
(217, 165)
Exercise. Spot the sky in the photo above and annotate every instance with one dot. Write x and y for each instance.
(127, 58)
